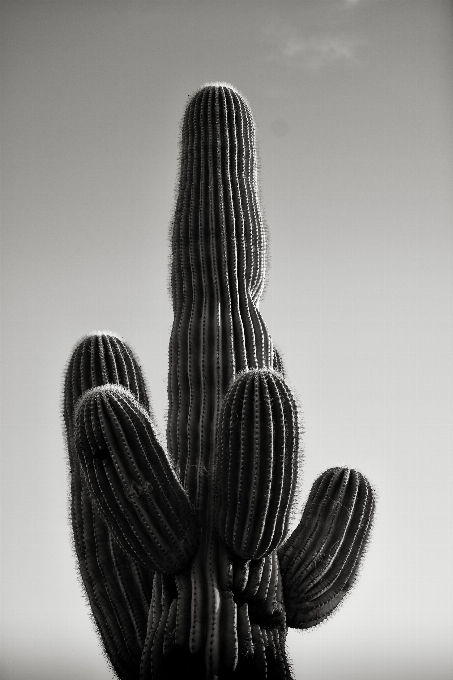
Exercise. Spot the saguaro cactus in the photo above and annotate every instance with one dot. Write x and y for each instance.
(184, 554)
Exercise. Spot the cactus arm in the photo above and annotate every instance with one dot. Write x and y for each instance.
(320, 560)
(132, 481)
(118, 589)
(256, 465)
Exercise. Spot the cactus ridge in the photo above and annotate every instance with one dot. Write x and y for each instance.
(184, 553)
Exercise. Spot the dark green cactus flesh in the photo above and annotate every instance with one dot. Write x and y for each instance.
(184, 555)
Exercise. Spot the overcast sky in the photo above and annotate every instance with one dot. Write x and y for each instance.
(353, 106)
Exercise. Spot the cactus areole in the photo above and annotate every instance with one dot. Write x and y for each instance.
(184, 553)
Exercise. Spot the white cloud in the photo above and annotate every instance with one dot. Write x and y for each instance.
(286, 44)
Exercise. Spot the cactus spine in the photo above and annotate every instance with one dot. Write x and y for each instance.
(183, 555)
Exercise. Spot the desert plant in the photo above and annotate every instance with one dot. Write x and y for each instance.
(185, 555)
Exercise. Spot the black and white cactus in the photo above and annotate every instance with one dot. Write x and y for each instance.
(184, 554)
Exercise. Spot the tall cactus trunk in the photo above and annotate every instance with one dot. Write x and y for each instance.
(218, 274)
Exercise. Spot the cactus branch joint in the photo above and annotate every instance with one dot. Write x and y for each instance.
(184, 550)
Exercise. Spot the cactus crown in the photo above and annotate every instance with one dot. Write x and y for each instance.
(218, 188)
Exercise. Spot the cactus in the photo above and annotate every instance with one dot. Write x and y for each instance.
(184, 554)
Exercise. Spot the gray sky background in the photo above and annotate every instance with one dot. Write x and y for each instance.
(353, 106)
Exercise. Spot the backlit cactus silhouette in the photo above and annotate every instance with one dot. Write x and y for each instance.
(184, 554)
